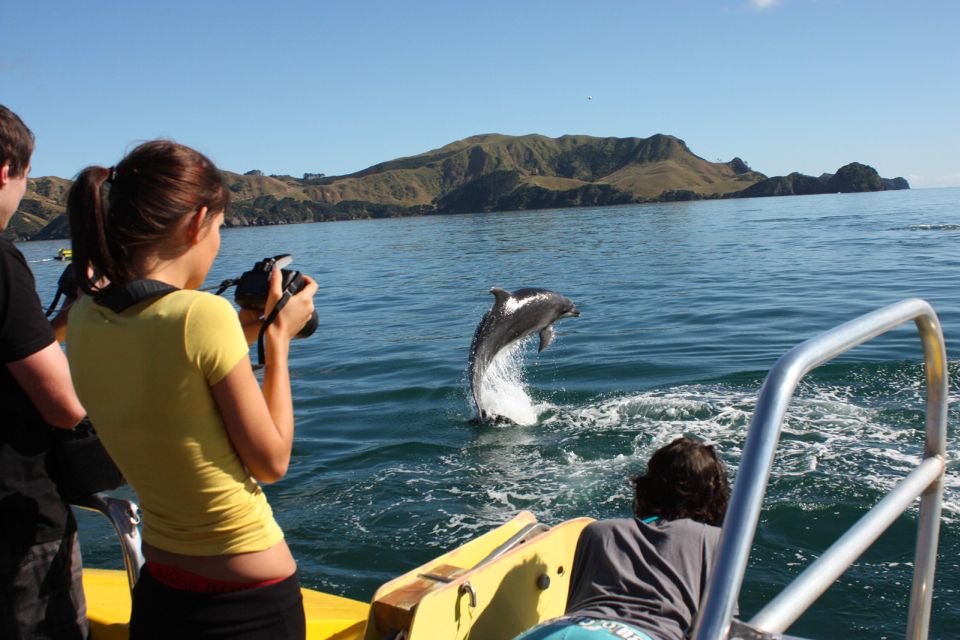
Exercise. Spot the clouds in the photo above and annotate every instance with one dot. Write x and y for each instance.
(764, 4)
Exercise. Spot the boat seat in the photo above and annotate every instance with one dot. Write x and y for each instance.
(394, 602)
(494, 586)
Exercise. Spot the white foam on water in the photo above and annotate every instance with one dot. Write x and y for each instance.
(504, 388)
(841, 445)
(932, 227)
(836, 446)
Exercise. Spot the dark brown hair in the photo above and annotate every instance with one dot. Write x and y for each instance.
(16, 142)
(138, 203)
(684, 479)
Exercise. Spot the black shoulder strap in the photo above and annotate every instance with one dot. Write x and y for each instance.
(123, 296)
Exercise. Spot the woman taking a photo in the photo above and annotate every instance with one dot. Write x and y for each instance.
(165, 374)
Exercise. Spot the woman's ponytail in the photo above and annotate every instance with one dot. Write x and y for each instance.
(118, 212)
(87, 214)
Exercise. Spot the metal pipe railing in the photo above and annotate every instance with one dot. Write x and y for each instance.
(790, 604)
(124, 515)
(740, 524)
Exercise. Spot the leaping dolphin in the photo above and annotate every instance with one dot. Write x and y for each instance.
(513, 317)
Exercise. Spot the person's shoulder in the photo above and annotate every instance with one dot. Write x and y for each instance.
(604, 528)
(81, 305)
(9, 251)
(693, 528)
(200, 300)
(204, 307)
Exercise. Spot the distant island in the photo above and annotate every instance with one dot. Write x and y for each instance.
(489, 172)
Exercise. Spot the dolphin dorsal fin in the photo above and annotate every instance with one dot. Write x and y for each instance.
(546, 337)
(502, 295)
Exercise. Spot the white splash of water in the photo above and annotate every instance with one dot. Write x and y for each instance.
(504, 389)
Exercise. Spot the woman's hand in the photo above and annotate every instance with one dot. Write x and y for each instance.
(298, 310)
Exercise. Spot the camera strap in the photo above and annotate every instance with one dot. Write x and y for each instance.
(119, 297)
(281, 303)
(66, 288)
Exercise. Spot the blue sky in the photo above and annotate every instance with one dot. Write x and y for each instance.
(290, 87)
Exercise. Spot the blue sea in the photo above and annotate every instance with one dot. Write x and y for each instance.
(685, 307)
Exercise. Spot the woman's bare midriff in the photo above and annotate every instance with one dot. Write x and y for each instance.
(257, 566)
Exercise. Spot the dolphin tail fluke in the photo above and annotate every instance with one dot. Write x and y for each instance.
(546, 337)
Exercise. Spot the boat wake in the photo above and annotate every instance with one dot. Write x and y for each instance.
(851, 434)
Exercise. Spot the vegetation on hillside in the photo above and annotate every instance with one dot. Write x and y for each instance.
(851, 178)
(489, 172)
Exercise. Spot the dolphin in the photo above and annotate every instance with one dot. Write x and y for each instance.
(513, 317)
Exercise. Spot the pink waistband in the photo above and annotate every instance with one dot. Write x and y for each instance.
(183, 580)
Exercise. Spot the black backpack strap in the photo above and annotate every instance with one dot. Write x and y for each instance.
(117, 298)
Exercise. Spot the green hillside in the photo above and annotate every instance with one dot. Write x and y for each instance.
(640, 167)
(489, 172)
(44, 202)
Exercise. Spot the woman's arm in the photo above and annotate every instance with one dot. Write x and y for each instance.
(259, 422)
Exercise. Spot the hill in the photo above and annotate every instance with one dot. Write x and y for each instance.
(44, 202)
(489, 172)
(851, 178)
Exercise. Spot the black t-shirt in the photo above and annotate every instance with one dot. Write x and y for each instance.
(31, 510)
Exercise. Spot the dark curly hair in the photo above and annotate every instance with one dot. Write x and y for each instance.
(684, 479)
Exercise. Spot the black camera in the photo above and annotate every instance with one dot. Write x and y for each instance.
(254, 286)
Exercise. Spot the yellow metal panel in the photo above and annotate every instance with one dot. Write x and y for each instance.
(467, 554)
(464, 556)
(522, 588)
(108, 603)
(329, 617)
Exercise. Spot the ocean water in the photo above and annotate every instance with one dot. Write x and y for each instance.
(685, 307)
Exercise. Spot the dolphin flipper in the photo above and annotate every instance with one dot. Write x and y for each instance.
(546, 337)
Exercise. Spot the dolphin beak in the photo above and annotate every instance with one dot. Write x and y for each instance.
(575, 313)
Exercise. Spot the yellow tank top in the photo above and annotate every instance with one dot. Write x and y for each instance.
(144, 376)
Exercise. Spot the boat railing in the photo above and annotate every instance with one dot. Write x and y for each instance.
(925, 481)
(124, 515)
(524, 535)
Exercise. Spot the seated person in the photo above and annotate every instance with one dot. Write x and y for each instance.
(643, 578)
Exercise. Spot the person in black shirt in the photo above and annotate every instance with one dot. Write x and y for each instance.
(41, 594)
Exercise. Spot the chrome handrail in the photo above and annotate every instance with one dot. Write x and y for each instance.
(740, 524)
(124, 515)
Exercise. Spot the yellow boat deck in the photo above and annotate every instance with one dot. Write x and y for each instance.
(459, 595)
(108, 609)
